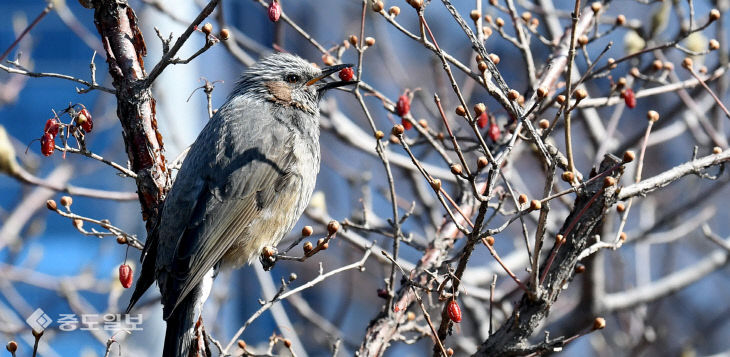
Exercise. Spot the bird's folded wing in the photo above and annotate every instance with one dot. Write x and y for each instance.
(242, 185)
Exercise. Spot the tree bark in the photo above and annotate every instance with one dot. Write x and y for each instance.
(125, 47)
(585, 217)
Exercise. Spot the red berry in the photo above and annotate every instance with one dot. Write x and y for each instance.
(494, 132)
(47, 144)
(274, 10)
(83, 119)
(454, 311)
(403, 106)
(125, 275)
(629, 98)
(482, 120)
(51, 127)
(346, 74)
(406, 124)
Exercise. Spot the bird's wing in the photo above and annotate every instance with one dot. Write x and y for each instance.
(225, 195)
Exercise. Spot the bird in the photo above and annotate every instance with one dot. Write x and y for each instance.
(243, 185)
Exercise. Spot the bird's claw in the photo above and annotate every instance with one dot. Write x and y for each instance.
(268, 257)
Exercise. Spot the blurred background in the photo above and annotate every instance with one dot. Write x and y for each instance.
(46, 263)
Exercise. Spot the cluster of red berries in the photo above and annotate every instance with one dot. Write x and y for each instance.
(403, 107)
(82, 119)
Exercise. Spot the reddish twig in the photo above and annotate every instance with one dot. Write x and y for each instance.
(38, 19)
(506, 269)
(709, 90)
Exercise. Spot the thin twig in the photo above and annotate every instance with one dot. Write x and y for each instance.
(709, 90)
(167, 58)
(506, 269)
(283, 295)
(35, 22)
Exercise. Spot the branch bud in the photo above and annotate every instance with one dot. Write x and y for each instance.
(482, 162)
(494, 58)
(629, 156)
(522, 199)
(687, 63)
(567, 176)
(542, 92)
(397, 130)
(599, 323)
(66, 201)
(333, 227)
(479, 108)
(714, 15)
(535, 205)
(460, 111)
(207, 28)
(652, 115)
(377, 6)
(436, 185)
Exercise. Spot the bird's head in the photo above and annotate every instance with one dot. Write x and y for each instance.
(288, 80)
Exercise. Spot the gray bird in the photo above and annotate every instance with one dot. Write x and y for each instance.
(243, 185)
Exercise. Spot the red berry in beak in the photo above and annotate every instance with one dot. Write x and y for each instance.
(47, 144)
(125, 275)
(454, 311)
(274, 10)
(346, 74)
(403, 106)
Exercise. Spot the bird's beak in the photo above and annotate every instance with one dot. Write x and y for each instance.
(326, 72)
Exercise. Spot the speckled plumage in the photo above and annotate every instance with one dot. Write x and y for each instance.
(243, 185)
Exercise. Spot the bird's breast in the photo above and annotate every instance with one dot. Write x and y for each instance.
(274, 221)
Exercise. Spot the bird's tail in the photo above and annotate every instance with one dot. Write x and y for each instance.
(180, 329)
(146, 277)
(147, 273)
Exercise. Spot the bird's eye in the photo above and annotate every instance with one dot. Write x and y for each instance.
(292, 78)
